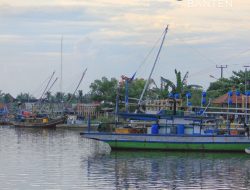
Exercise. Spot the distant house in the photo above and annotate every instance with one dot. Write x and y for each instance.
(86, 110)
(28, 106)
(222, 101)
(107, 111)
(153, 106)
(3, 109)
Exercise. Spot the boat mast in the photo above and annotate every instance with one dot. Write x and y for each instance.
(61, 64)
(150, 75)
(61, 77)
(48, 91)
(246, 94)
(47, 86)
(52, 84)
(83, 74)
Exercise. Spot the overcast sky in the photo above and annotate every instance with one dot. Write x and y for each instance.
(112, 38)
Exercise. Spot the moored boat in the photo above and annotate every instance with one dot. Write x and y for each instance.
(177, 127)
(172, 142)
(39, 122)
(4, 115)
(175, 133)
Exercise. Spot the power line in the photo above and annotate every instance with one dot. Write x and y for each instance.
(209, 59)
(149, 53)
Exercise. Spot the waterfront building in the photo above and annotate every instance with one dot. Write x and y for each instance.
(153, 106)
(86, 110)
(239, 101)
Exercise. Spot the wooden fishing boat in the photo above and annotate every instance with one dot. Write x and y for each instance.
(173, 142)
(173, 129)
(5, 121)
(4, 117)
(175, 133)
(40, 122)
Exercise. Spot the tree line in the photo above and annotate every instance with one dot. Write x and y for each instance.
(105, 90)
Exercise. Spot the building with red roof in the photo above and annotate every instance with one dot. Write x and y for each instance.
(239, 100)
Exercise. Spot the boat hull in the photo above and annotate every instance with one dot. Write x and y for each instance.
(49, 124)
(172, 142)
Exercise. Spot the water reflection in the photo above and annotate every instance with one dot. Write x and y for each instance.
(174, 170)
(39, 159)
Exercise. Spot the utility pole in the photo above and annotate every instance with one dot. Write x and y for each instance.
(221, 67)
(246, 97)
(61, 78)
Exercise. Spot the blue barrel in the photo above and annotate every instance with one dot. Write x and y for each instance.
(155, 129)
(180, 129)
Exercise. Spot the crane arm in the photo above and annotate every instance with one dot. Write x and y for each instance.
(152, 70)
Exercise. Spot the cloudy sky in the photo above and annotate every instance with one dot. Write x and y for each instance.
(112, 38)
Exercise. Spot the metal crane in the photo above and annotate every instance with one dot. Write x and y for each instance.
(152, 70)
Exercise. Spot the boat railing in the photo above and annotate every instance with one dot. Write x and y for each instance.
(185, 129)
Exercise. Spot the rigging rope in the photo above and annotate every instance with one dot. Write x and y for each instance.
(149, 53)
(214, 63)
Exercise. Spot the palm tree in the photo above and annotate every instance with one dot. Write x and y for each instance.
(48, 96)
(1, 96)
(24, 97)
(175, 88)
(59, 96)
(69, 97)
(167, 87)
(80, 96)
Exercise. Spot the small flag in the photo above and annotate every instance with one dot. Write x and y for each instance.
(132, 78)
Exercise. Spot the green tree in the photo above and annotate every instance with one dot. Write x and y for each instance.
(219, 87)
(59, 96)
(223, 85)
(48, 96)
(104, 89)
(24, 97)
(80, 96)
(70, 98)
(8, 98)
(196, 92)
(181, 88)
(135, 88)
(87, 98)
(176, 87)
(179, 83)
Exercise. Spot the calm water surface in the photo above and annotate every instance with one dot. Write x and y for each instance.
(60, 159)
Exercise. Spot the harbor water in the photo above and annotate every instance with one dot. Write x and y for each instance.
(42, 159)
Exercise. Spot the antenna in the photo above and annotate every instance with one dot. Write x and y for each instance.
(246, 97)
(61, 78)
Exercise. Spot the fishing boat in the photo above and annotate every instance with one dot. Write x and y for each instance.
(172, 129)
(4, 115)
(37, 122)
(175, 132)
(172, 142)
